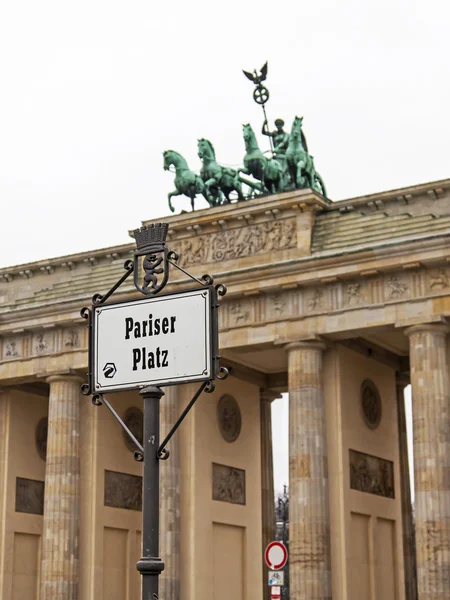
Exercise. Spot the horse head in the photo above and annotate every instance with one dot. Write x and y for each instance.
(297, 127)
(249, 137)
(168, 159)
(205, 149)
(173, 158)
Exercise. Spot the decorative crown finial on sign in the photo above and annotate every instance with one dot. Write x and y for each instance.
(150, 236)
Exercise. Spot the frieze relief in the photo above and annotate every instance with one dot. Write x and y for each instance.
(71, 339)
(397, 287)
(29, 496)
(230, 244)
(228, 484)
(123, 490)
(371, 474)
(42, 343)
(438, 280)
(322, 297)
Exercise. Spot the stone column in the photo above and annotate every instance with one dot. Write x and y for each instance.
(267, 491)
(409, 554)
(309, 520)
(431, 421)
(60, 538)
(169, 527)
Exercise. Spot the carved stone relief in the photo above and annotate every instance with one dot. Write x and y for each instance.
(355, 293)
(40, 343)
(30, 496)
(316, 300)
(71, 339)
(229, 418)
(41, 434)
(237, 243)
(11, 349)
(371, 474)
(123, 490)
(277, 304)
(228, 484)
(134, 420)
(438, 279)
(370, 404)
(238, 314)
(396, 287)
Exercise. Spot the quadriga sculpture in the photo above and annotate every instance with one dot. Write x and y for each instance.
(300, 164)
(219, 181)
(186, 181)
(267, 170)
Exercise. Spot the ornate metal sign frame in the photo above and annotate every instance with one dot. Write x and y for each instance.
(152, 256)
(213, 337)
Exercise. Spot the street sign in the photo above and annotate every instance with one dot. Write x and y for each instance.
(276, 555)
(276, 577)
(275, 591)
(159, 340)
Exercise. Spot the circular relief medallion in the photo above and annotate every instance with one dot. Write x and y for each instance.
(371, 404)
(229, 418)
(134, 420)
(41, 437)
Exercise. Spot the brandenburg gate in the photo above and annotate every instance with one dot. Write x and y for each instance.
(340, 304)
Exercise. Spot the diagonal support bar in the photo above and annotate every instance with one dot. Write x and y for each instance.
(162, 453)
(99, 399)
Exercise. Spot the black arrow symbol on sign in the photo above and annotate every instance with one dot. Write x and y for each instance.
(108, 371)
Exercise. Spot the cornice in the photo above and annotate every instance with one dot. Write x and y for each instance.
(403, 196)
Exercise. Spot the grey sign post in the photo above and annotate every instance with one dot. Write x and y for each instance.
(157, 340)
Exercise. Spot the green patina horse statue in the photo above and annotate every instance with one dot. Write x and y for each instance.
(219, 181)
(267, 170)
(186, 181)
(300, 163)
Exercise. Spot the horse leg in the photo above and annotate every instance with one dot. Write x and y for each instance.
(300, 179)
(169, 197)
(238, 188)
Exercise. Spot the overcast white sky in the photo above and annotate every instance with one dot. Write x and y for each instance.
(92, 92)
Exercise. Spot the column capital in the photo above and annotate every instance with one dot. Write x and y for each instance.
(268, 395)
(65, 377)
(436, 328)
(312, 344)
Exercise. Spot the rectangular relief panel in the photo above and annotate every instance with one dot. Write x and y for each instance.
(123, 490)
(115, 564)
(228, 562)
(29, 496)
(25, 567)
(359, 563)
(386, 559)
(371, 474)
(228, 484)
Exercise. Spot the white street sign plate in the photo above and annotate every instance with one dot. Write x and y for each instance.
(160, 340)
(276, 577)
(275, 591)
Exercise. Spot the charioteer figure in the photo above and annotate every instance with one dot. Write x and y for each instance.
(279, 136)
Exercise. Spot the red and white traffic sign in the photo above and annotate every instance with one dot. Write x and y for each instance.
(276, 555)
(275, 592)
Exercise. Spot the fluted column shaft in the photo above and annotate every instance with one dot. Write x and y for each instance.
(309, 520)
(431, 420)
(60, 540)
(169, 527)
(409, 554)
(267, 490)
